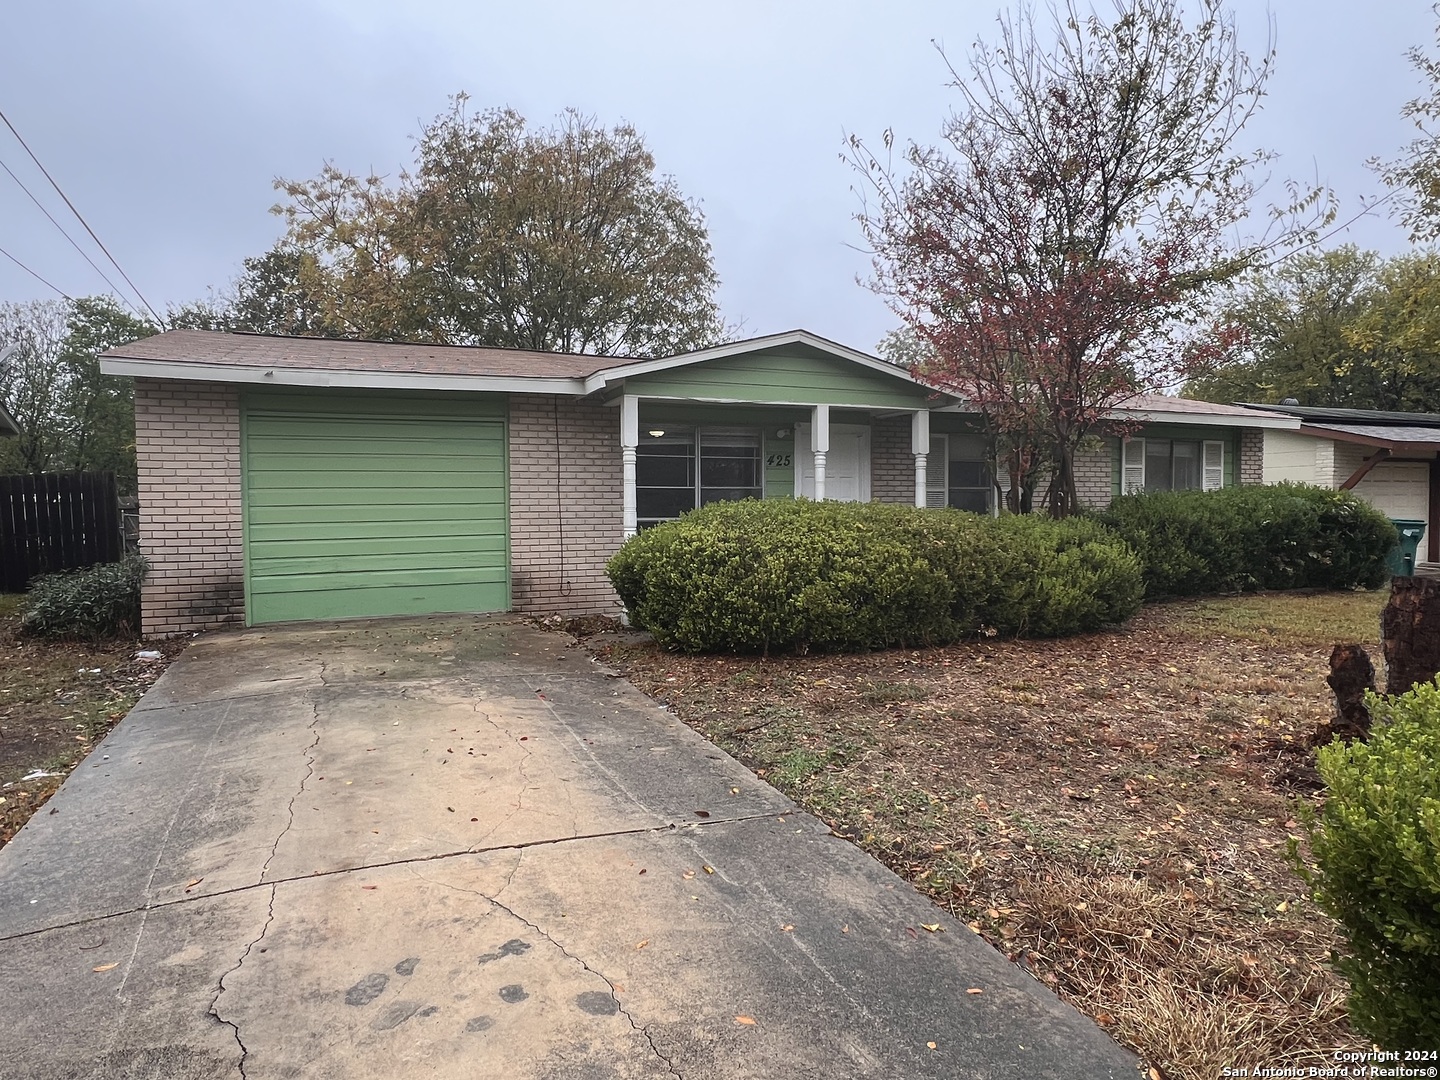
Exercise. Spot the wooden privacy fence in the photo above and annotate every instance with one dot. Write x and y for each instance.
(56, 521)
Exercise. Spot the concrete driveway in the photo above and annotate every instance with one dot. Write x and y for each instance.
(457, 848)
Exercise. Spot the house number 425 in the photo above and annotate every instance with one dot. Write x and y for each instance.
(778, 461)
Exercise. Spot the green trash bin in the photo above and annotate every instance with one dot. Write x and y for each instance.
(1401, 560)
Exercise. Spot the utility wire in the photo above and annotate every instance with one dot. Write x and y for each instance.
(82, 221)
(36, 276)
(83, 254)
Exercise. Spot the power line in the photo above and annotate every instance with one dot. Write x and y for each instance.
(80, 219)
(83, 254)
(36, 276)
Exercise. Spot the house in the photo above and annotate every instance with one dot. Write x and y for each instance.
(305, 478)
(8, 426)
(1387, 458)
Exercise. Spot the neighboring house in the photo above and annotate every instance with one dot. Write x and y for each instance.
(1387, 458)
(8, 426)
(306, 478)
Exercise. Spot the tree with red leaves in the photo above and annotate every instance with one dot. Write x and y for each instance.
(1055, 255)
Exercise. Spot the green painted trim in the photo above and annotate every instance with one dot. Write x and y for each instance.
(781, 378)
(1117, 466)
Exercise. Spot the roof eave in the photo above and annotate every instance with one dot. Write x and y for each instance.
(1393, 445)
(1203, 419)
(337, 377)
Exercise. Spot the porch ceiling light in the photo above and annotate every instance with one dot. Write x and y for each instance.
(656, 433)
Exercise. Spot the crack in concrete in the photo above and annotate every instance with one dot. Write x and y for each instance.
(642, 1030)
(214, 1009)
(414, 860)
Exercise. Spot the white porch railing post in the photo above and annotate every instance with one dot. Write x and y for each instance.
(920, 447)
(629, 439)
(820, 445)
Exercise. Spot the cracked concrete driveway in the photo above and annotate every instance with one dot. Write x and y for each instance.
(455, 846)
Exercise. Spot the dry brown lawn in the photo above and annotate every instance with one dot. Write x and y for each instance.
(1111, 811)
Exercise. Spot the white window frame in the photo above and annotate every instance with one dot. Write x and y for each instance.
(1132, 465)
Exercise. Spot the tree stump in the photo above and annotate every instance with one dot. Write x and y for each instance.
(1351, 674)
(1410, 629)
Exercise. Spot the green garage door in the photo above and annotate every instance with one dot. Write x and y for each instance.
(357, 507)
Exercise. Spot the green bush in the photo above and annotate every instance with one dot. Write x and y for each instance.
(795, 575)
(1241, 539)
(102, 601)
(1377, 848)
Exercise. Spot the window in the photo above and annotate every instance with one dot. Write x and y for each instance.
(670, 477)
(967, 467)
(1172, 465)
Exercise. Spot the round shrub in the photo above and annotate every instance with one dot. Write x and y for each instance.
(1241, 539)
(99, 602)
(1377, 849)
(796, 575)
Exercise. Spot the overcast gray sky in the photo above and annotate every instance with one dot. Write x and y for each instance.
(165, 122)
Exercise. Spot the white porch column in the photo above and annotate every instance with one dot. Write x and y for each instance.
(920, 447)
(629, 439)
(820, 445)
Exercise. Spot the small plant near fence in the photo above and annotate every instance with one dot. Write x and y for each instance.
(87, 605)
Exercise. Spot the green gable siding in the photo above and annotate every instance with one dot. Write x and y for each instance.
(788, 377)
(373, 504)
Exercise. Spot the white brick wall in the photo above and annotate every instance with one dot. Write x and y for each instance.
(1252, 456)
(1094, 468)
(892, 465)
(565, 505)
(187, 442)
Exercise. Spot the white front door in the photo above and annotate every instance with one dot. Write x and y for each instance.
(847, 465)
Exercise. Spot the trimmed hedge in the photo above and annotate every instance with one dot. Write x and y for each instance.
(99, 602)
(1377, 848)
(1242, 539)
(792, 574)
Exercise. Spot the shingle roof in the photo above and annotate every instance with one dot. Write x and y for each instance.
(1353, 416)
(331, 354)
(1389, 434)
(1154, 403)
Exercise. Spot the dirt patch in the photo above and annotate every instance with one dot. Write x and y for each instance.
(57, 700)
(1111, 811)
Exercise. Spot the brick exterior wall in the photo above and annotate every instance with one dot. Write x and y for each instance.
(892, 465)
(1094, 476)
(187, 442)
(1251, 468)
(566, 512)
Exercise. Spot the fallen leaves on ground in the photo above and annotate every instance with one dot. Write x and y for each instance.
(1110, 811)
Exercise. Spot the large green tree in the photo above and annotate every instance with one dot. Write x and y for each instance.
(1341, 328)
(71, 416)
(558, 238)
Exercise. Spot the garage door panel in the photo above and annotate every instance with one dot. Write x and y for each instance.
(350, 486)
(273, 468)
(371, 514)
(302, 531)
(373, 601)
(293, 556)
(303, 514)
